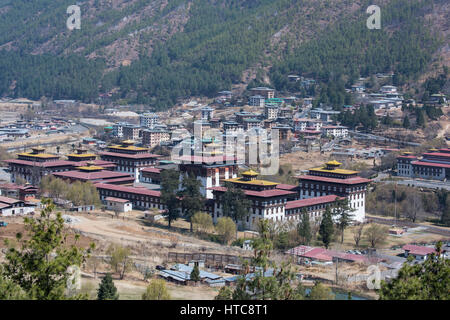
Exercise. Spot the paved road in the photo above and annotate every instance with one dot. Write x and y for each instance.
(381, 138)
(422, 183)
(403, 223)
(426, 184)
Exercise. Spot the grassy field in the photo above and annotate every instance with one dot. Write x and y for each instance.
(133, 290)
(412, 236)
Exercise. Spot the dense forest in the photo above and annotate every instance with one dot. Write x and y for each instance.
(216, 44)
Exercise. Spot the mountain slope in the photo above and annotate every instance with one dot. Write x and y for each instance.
(156, 51)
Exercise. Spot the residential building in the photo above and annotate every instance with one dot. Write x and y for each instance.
(207, 113)
(335, 131)
(117, 130)
(14, 207)
(131, 132)
(271, 111)
(118, 205)
(324, 115)
(302, 124)
(148, 120)
(267, 93)
(256, 101)
(152, 138)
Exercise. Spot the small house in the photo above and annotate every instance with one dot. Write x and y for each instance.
(118, 205)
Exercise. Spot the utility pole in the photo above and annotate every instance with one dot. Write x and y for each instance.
(395, 203)
(337, 263)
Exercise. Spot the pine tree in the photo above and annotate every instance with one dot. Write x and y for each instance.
(28, 267)
(326, 228)
(420, 118)
(424, 281)
(107, 290)
(406, 123)
(195, 274)
(344, 217)
(192, 200)
(169, 186)
(304, 228)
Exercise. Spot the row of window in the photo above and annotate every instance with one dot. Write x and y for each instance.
(129, 196)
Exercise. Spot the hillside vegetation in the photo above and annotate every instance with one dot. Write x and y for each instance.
(154, 52)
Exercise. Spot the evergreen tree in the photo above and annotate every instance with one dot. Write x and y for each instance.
(420, 118)
(195, 273)
(107, 290)
(169, 186)
(40, 266)
(304, 228)
(235, 203)
(320, 292)
(344, 217)
(264, 286)
(192, 200)
(326, 229)
(429, 280)
(406, 123)
(156, 290)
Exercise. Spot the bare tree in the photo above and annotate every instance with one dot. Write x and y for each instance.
(376, 234)
(413, 205)
(358, 233)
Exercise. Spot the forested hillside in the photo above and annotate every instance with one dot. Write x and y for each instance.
(154, 52)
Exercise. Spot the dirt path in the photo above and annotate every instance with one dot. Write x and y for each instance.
(130, 232)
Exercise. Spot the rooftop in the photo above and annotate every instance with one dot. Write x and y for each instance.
(419, 250)
(141, 191)
(310, 202)
(263, 194)
(348, 181)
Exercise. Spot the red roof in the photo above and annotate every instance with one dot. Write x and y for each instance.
(334, 127)
(4, 205)
(263, 194)
(100, 163)
(285, 186)
(324, 254)
(310, 202)
(8, 200)
(444, 150)
(151, 170)
(130, 156)
(116, 200)
(11, 186)
(439, 154)
(134, 190)
(355, 180)
(96, 175)
(419, 250)
(310, 131)
(46, 164)
(205, 159)
(430, 164)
